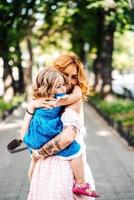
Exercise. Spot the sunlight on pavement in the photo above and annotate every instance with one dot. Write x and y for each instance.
(6, 126)
(104, 133)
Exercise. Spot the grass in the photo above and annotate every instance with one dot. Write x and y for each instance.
(120, 111)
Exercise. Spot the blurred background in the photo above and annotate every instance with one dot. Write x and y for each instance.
(100, 32)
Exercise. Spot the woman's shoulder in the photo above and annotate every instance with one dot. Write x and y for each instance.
(76, 106)
(72, 112)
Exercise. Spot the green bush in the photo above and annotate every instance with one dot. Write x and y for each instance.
(120, 110)
(4, 106)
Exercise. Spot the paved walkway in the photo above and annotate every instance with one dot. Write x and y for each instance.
(111, 163)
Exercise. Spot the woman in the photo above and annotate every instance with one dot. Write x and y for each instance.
(52, 177)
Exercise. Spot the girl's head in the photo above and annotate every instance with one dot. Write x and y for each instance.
(49, 82)
(72, 67)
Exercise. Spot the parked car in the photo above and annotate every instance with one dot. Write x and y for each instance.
(123, 84)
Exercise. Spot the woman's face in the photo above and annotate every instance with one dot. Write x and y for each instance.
(72, 74)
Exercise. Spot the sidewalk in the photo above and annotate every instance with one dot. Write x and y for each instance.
(14, 183)
(111, 163)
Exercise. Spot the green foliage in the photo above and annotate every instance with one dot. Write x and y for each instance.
(117, 106)
(123, 55)
(7, 106)
(4, 106)
(15, 24)
(119, 110)
(66, 25)
(116, 11)
(79, 18)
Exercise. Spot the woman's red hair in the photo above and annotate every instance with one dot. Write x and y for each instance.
(67, 59)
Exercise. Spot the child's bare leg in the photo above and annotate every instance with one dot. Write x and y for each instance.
(80, 185)
(77, 167)
(31, 168)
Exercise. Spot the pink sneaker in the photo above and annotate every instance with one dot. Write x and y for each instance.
(81, 189)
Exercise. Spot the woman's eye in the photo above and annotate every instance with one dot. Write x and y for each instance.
(58, 87)
(74, 77)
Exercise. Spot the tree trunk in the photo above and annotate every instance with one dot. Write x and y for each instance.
(8, 80)
(83, 56)
(102, 66)
(21, 85)
(28, 70)
(106, 60)
(97, 65)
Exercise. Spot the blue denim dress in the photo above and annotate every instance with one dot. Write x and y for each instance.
(46, 124)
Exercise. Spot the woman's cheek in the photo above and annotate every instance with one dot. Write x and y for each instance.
(74, 82)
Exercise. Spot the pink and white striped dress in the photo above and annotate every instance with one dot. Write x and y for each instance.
(53, 177)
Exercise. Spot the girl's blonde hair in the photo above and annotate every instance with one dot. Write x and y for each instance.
(63, 61)
(46, 82)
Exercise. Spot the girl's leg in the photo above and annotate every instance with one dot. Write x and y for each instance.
(31, 168)
(80, 186)
(77, 167)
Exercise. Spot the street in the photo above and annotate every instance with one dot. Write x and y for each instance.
(112, 164)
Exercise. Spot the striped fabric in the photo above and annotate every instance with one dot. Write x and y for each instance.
(53, 180)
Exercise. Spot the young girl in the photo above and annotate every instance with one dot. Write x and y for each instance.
(47, 123)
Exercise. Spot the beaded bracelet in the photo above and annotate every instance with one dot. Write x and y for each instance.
(29, 112)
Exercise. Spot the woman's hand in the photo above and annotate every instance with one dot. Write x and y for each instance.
(36, 155)
(42, 102)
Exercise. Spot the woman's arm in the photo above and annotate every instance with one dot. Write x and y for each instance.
(72, 98)
(25, 125)
(65, 138)
(60, 142)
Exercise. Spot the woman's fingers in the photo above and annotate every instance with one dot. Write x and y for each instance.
(36, 155)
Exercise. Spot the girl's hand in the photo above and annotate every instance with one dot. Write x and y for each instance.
(42, 102)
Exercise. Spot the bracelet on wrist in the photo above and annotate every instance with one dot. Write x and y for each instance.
(31, 113)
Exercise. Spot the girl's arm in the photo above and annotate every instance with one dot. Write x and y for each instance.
(72, 98)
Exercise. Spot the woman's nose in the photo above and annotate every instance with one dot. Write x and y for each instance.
(69, 80)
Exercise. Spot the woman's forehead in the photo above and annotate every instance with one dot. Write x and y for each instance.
(71, 69)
